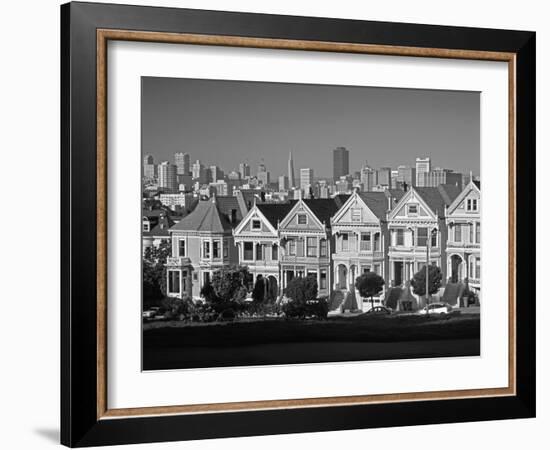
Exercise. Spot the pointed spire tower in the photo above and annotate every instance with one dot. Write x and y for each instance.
(291, 180)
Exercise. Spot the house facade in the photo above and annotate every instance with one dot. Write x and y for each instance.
(463, 219)
(202, 242)
(418, 232)
(257, 241)
(361, 238)
(306, 242)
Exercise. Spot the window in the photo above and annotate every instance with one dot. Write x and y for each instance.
(146, 226)
(365, 242)
(206, 249)
(181, 248)
(184, 281)
(174, 281)
(274, 252)
(472, 204)
(422, 237)
(216, 249)
(478, 232)
(356, 214)
(412, 210)
(206, 278)
(345, 242)
(458, 233)
(434, 239)
(366, 269)
(478, 268)
(311, 246)
(300, 247)
(195, 276)
(472, 233)
(323, 281)
(323, 247)
(259, 252)
(256, 224)
(291, 247)
(248, 251)
(475, 204)
(376, 242)
(377, 269)
(400, 237)
(469, 205)
(302, 219)
(225, 248)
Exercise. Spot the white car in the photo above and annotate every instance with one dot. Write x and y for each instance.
(436, 308)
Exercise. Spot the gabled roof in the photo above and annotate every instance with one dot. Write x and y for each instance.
(377, 202)
(396, 194)
(472, 185)
(436, 198)
(325, 208)
(161, 228)
(227, 203)
(205, 217)
(275, 212)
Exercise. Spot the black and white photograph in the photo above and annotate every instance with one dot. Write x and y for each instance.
(301, 223)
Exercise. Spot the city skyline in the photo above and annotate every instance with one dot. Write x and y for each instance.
(173, 109)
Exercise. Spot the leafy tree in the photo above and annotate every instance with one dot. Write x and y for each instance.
(154, 272)
(209, 293)
(369, 284)
(229, 283)
(418, 281)
(301, 289)
(258, 293)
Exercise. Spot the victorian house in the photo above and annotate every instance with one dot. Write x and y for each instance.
(463, 219)
(202, 242)
(155, 225)
(305, 241)
(418, 232)
(257, 241)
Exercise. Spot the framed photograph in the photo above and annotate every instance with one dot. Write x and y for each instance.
(278, 224)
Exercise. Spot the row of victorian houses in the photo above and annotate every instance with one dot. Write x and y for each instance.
(392, 233)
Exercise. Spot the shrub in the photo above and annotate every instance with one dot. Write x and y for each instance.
(317, 309)
(302, 289)
(369, 284)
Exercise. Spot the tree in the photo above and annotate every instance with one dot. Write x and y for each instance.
(229, 284)
(258, 293)
(301, 289)
(418, 281)
(154, 272)
(369, 284)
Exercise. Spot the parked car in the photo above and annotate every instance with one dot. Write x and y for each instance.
(151, 312)
(379, 311)
(436, 308)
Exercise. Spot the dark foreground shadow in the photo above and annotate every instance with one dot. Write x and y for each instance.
(49, 434)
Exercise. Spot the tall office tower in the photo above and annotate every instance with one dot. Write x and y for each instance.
(148, 167)
(384, 177)
(244, 170)
(182, 162)
(291, 180)
(323, 189)
(199, 172)
(439, 176)
(368, 177)
(263, 177)
(168, 176)
(406, 175)
(340, 164)
(283, 183)
(306, 180)
(423, 166)
(216, 173)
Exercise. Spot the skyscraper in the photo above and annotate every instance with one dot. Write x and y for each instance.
(406, 175)
(216, 173)
(283, 183)
(182, 163)
(244, 170)
(368, 178)
(340, 162)
(306, 180)
(384, 176)
(423, 166)
(168, 177)
(291, 180)
(148, 167)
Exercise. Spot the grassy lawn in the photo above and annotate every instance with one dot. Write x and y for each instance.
(362, 328)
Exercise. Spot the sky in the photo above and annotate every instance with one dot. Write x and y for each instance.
(228, 122)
